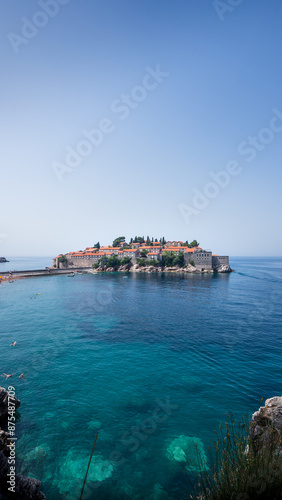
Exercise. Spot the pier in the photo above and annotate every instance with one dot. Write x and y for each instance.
(41, 272)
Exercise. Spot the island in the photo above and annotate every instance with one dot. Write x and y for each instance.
(145, 255)
(2, 259)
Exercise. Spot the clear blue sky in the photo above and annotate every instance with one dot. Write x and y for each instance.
(214, 105)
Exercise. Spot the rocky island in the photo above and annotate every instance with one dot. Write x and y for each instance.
(2, 259)
(140, 255)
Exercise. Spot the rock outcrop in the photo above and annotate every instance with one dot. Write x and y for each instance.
(136, 268)
(223, 269)
(25, 487)
(266, 426)
(2, 259)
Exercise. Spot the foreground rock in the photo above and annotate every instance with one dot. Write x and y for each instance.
(26, 488)
(266, 425)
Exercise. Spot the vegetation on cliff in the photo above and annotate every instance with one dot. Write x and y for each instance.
(240, 470)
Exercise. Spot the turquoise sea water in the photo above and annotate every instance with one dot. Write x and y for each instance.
(152, 361)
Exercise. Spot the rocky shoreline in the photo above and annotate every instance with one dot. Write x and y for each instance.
(25, 487)
(136, 268)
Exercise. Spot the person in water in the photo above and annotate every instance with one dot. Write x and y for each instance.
(14, 343)
(22, 376)
(7, 376)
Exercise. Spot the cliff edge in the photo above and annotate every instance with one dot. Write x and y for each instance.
(25, 487)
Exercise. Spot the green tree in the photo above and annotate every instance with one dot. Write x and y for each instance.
(125, 261)
(193, 244)
(97, 245)
(178, 260)
(117, 241)
(141, 262)
(168, 259)
(113, 261)
(152, 262)
(171, 260)
(62, 258)
(148, 241)
(144, 253)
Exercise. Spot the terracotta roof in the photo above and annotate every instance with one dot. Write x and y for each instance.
(152, 253)
(174, 249)
(129, 250)
(149, 247)
(177, 248)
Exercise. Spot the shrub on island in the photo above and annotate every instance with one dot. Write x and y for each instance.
(62, 258)
(171, 260)
(125, 261)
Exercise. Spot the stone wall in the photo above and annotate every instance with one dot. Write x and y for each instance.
(220, 260)
(202, 259)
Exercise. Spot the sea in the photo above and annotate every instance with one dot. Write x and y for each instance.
(148, 365)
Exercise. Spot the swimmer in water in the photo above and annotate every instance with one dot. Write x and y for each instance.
(7, 376)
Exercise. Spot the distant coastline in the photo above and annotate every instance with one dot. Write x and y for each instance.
(3, 259)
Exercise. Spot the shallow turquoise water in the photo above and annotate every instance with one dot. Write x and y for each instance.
(155, 362)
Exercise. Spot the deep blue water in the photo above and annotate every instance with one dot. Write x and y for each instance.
(154, 361)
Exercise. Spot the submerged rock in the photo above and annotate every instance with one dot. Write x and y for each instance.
(190, 450)
(158, 493)
(94, 424)
(72, 469)
(39, 453)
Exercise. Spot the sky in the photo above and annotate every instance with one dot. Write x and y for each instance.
(138, 118)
